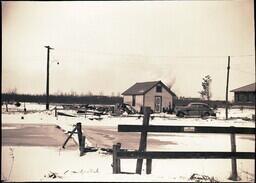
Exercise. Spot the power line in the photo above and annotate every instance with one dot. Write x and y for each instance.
(165, 56)
(169, 56)
(243, 56)
(247, 72)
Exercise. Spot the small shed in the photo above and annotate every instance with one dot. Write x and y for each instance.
(153, 94)
(245, 94)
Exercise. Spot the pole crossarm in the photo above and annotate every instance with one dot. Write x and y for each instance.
(48, 47)
(184, 129)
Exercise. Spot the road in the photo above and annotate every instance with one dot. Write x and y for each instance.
(51, 135)
(107, 136)
(34, 135)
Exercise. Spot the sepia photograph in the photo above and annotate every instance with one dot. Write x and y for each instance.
(128, 91)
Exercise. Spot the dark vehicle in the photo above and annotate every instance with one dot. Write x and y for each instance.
(195, 109)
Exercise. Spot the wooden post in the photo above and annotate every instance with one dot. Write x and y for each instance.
(56, 113)
(6, 105)
(73, 131)
(148, 166)
(143, 139)
(80, 138)
(227, 87)
(82, 146)
(116, 160)
(79, 132)
(234, 175)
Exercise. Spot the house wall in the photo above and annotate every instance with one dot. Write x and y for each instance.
(166, 98)
(138, 101)
(128, 99)
(245, 97)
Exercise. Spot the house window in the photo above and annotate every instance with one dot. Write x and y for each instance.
(251, 97)
(159, 88)
(242, 97)
(133, 100)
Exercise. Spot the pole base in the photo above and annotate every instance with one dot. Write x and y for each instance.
(234, 178)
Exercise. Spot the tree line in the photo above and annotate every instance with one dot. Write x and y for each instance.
(69, 99)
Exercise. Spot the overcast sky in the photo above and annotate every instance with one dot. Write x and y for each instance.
(108, 46)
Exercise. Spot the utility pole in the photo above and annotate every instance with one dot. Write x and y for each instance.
(227, 87)
(47, 76)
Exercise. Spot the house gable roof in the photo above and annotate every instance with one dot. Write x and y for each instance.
(247, 88)
(144, 87)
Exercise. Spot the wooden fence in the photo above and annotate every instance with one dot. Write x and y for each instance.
(141, 154)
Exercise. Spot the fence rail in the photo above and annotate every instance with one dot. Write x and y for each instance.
(184, 129)
(184, 155)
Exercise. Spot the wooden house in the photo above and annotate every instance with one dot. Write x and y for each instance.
(155, 95)
(245, 94)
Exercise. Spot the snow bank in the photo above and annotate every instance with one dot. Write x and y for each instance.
(235, 113)
(49, 164)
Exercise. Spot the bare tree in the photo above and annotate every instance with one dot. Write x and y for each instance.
(90, 93)
(118, 94)
(72, 93)
(206, 91)
(13, 91)
(101, 93)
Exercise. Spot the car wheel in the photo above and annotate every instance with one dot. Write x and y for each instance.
(206, 114)
(180, 114)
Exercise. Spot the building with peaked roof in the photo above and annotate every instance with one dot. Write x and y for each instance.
(154, 94)
(245, 94)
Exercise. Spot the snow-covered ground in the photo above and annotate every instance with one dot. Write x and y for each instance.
(55, 164)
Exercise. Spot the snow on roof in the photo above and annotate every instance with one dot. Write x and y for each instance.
(247, 88)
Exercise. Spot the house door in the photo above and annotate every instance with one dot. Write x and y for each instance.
(158, 103)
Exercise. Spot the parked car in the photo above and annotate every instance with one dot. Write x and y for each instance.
(195, 109)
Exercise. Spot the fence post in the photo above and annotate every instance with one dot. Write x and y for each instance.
(116, 160)
(6, 106)
(148, 166)
(233, 175)
(80, 138)
(56, 113)
(143, 139)
(82, 147)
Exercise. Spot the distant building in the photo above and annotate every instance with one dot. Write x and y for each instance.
(245, 94)
(155, 95)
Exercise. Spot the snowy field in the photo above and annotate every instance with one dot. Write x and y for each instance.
(37, 163)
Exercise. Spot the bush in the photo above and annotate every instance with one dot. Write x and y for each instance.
(17, 104)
